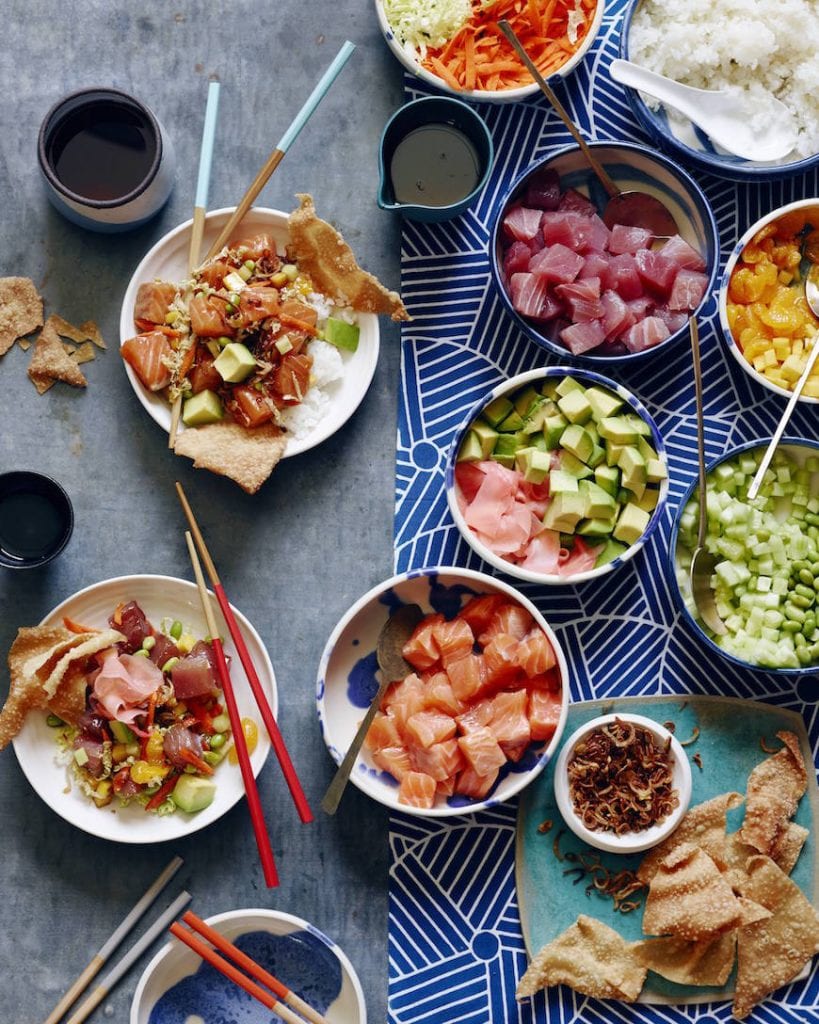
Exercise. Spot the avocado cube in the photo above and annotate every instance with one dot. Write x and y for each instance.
(599, 503)
(533, 464)
(553, 427)
(235, 363)
(506, 448)
(471, 450)
(538, 441)
(613, 453)
(596, 527)
(631, 524)
(571, 464)
(597, 456)
(634, 470)
(204, 407)
(655, 470)
(497, 410)
(575, 407)
(192, 793)
(645, 449)
(568, 384)
(577, 441)
(639, 424)
(561, 482)
(511, 423)
(603, 402)
(618, 429)
(611, 549)
(341, 334)
(536, 416)
(564, 512)
(592, 431)
(525, 399)
(486, 435)
(649, 499)
(608, 477)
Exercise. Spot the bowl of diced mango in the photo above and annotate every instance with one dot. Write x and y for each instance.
(764, 314)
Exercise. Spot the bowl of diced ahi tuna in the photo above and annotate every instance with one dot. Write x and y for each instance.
(558, 476)
(584, 290)
(477, 710)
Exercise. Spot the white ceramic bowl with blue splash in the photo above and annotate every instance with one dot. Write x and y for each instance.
(179, 988)
(633, 168)
(722, 296)
(348, 678)
(587, 378)
(690, 145)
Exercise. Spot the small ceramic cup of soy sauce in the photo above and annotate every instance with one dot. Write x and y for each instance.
(36, 519)
(435, 157)
(107, 162)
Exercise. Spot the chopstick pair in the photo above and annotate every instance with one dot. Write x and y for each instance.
(281, 998)
(116, 937)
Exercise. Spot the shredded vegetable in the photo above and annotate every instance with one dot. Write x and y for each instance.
(419, 24)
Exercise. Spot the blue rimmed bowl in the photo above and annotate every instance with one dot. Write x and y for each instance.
(348, 679)
(688, 144)
(632, 167)
(515, 385)
(755, 654)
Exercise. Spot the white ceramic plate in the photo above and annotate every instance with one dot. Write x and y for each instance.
(168, 261)
(305, 960)
(159, 597)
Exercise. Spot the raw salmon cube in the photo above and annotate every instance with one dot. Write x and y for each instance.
(509, 722)
(546, 681)
(403, 700)
(382, 733)
(467, 676)
(427, 727)
(393, 760)
(482, 750)
(442, 760)
(446, 787)
(501, 659)
(440, 697)
(476, 717)
(470, 784)
(544, 713)
(508, 618)
(417, 790)
(454, 639)
(535, 654)
(421, 650)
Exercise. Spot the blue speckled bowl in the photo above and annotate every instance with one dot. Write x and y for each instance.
(632, 167)
(347, 680)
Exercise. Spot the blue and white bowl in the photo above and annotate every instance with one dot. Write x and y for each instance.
(632, 167)
(347, 680)
(587, 378)
(690, 145)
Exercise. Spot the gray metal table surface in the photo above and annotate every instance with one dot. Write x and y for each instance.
(294, 556)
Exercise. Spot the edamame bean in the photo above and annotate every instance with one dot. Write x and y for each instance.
(54, 721)
(217, 740)
(809, 625)
(791, 626)
(169, 664)
(800, 601)
(804, 655)
(793, 613)
(806, 576)
(807, 592)
(176, 629)
(149, 643)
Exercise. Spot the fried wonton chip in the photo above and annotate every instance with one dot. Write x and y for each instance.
(92, 333)
(91, 644)
(774, 789)
(50, 362)
(66, 329)
(784, 853)
(68, 702)
(21, 310)
(773, 951)
(589, 957)
(324, 255)
(689, 897)
(708, 962)
(704, 825)
(83, 353)
(246, 456)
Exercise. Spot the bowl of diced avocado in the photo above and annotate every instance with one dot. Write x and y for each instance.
(766, 578)
(558, 476)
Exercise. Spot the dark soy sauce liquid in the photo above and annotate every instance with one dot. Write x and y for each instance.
(435, 165)
(30, 525)
(103, 150)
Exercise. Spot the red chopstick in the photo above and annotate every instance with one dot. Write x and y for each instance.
(251, 792)
(272, 727)
(255, 970)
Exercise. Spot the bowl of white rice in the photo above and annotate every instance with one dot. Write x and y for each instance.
(754, 48)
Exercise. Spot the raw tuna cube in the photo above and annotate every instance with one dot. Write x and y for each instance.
(689, 288)
(581, 337)
(557, 262)
(482, 751)
(543, 191)
(550, 309)
(646, 334)
(617, 317)
(673, 321)
(516, 258)
(680, 252)
(417, 790)
(528, 292)
(595, 265)
(573, 200)
(621, 276)
(522, 223)
(578, 231)
(656, 272)
(582, 299)
(628, 239)
(598, 235)
(640, 307)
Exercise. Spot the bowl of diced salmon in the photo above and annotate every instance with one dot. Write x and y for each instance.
(478, 713)
(595, 293)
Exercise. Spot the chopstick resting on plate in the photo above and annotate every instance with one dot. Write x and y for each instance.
(281, 994)
(114, 940)
(249, 780)
(292, 779)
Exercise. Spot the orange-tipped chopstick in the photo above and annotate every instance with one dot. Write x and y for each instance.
(255, 970)
(234, 974)
(295, 787)
(253, 802)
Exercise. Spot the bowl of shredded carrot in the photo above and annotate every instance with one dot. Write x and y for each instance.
(457, 46)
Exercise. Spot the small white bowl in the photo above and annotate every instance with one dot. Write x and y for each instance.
(306, 951)
(629, 842)
(722, 298)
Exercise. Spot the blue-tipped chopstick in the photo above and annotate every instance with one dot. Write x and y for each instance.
(283, 145)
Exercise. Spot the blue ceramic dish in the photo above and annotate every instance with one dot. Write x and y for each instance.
(632, 167)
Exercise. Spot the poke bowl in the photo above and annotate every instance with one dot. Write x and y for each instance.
(176, 985)
(689, 45)
(764, 316)
(433, 45)
(339, 377)
(558, 476)
(584, 292)
(121, 811)
(479, 714)
(767, 557)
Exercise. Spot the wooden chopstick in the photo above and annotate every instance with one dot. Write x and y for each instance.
(114, 940)
(258, 972)
(251, 792)
(292, 779)
(127, 962)
(276, 157)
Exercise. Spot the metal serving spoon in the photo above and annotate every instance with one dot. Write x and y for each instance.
(632, 208)
(394, 634)
(702, 561)
(724, 116)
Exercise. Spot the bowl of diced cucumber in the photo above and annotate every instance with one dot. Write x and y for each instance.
(557, 476)
(766, 579)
